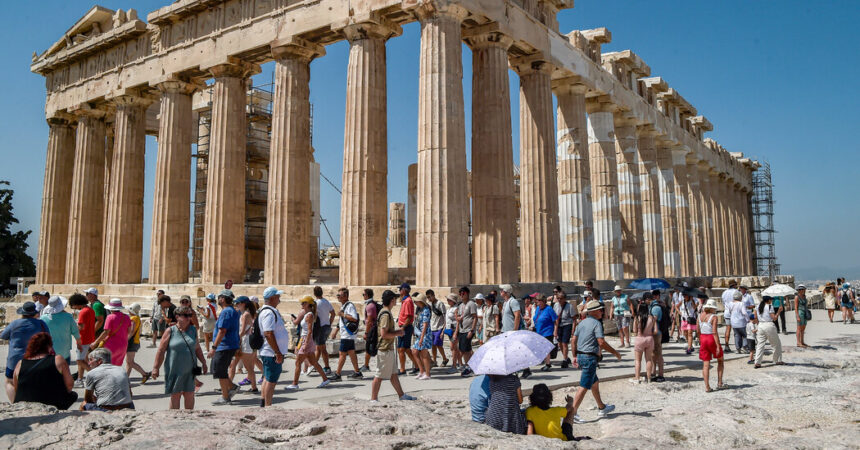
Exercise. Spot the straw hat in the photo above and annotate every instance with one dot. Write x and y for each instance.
(711, 304)
(593, 305)
(115, 304)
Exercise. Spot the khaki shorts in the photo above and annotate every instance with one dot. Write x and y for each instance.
(386, 364)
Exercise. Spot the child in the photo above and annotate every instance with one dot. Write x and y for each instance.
(752, 327)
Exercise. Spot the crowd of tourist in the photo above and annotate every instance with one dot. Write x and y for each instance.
(240, 333)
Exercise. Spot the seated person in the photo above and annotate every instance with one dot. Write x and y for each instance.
(479, 397)
(107, 386)
(42, 376)
(547, 421)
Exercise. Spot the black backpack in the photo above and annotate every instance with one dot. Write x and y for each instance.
(256, 339)
(350, 326)
(665, 323)
(371, 346)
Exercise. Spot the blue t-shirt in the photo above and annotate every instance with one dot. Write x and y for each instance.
(544, 320)
(18, 333)
(479, 397)
(228, 320)
(62, 327)
(587, 333)
(656, 311)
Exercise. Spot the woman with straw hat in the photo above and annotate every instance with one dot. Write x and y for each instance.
(423, 343)
(306, 348)
(117, 332)
(710, 344)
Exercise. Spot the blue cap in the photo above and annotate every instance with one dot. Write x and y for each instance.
(210, 296)
(243, 299)
(752, 316)
(406, 286)
(270, 292)
(226, 293)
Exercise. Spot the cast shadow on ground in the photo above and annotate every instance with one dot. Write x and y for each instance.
(20, 425)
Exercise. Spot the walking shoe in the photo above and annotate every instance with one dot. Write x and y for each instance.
(260, 381)
(364, 368)
(254, 391)
(444, 362)
(406, 397)
(606, 410)
(750, 362)
(565, 364)
(222, 401)
(233, 391)
(292, 387)
(546, 368)
(327, 370)
(145, 377)
(466, 372)
(309, 370)
(577, 419)
(727, 349)
(688, 351)
(245, 382)
(526, 373)
(334, 377)
(401, 373)
(324, 383)
(356, 375)
(453, 370)
(414, 371)
(424, 377)
(79, 383)
(658, 379)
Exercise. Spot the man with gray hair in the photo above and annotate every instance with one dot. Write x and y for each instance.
(107, 386)
(512, 315)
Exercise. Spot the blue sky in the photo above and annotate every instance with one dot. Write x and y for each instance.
(777, 80)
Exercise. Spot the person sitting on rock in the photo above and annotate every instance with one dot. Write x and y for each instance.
(43, 376)
(107, 386)
(544, 420)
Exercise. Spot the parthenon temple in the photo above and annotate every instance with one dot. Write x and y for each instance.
(623, 185)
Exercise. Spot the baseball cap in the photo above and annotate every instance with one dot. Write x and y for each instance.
(243, 299)
(271, 291)
(93, 291)
(307, 299)
(226, 293)
(799, 287)
(506, 288)
(479, 296)
(42, 293)
(453, 297)
(405, 286)
(210, 296)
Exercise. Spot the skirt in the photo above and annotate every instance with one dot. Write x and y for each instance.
(306, 346)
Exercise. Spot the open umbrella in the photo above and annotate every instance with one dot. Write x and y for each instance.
(692, 292)
(779, 290)
(649, 284)
(509, 352)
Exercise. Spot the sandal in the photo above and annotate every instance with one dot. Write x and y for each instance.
(709, 390)
(721, 386)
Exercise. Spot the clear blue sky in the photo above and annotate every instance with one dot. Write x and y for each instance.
(777, 79)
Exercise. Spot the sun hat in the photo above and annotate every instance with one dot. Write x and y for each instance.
(587, 293)
(255, 300)
(480, 296)
(710, 305)
(115, 304)
(93, 291)
(270, 292)
(27, 309)
(453, 297)
(307, 299)
(593, 305)
(733, 282)
(210, 296)
(55, 304)
(185, 297)
(226, 293)
(420, 298)
(617, 288)
(507, 288)
(702, 296)
(737, 295)
(135, 308)
(800, 286)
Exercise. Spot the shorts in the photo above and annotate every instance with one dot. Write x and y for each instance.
(564, 333)
(132, 347)
(159, 326)
(588, 369)
(209, 325)
(306, 346)
(386, 361)
(687, 327)
(405, 341)
(95, 407)
(10, 373)
(245, 344)
(271, 369)
(708, 348)
(464, 342)
(621, 321)
(489, 335)
(449, 332)
(221, 362)
(347, 345)
(83, 352)
(323, 337)
(437, 338)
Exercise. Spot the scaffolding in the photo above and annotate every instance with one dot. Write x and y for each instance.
(763, 229)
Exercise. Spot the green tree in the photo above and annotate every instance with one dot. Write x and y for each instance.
(14, 260)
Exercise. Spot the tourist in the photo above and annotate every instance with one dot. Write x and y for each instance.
(306, 350)
(511, 309)
(847, 300)
(42, 376)
(450, 328)
(106, 385)
(324, 311)
(656, 308)
(134, 345)
(438, 312)
(710, 343)
(752, 329)
(348, 327)
(546, 325)
(386, 359)
(479, 314)
(117, 331)
(528, 313)
(546, 421)
(595, 293)
(479, 397)
(621, 312)
(736, 316)
(830, 300)
(766, 318)
(677, 302)
(588, 340)
(62, 327)
(779, 307)
(503, 411)
(87, 331)
(40, 298)
(491, 318)
(802, 314)
(371, 310)
(404, 320)
(646, 329)
(180, 351)
(689, 317)
(467, 321)
(246, 355)
(748, 300)
(155, 325)
(566, 313)
(185, 300)
(423, 336)
(276, 340)
(98, 308)
(210, 316)
(225, 346)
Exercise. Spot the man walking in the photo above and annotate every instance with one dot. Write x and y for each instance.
(371, 310)
(40, 298)
(386, 361)
(276, 340)
(728, 297)
(325, 314)
(404, 321)
(348, 326)
(437, 325)
(98, 307)
(155, 325)
(62, 327)
(655, 308)
(564, 329)
(226, 343)
(588, 339)
(466, 318)
(512, 315)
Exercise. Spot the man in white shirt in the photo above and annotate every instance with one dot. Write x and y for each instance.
(348, 318)
(747, 299)
(728, 297)
(325, 313)
(276, 340)
(677, 299)
(737, 316)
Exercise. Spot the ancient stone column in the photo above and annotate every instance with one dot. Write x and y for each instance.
(86, 209)
(288, 225)
(696, 233)
(668, 212)
(540, 251)
(734, 228)
(705, 219)
(649, 189)
(168, 253)
(629, 197)
(604, 190)
(749, 250)
(56, 193)
(682, 207)
(411, 211)
(397, 224)
(574, 184)
(494, 214)
(365, 157)
(224, 229)
(716, 220)
(441, 233)
(123, 241)
(724, 233)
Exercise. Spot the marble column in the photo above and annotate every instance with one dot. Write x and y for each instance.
(629, 197)
(604, 190)
(171, 216)
(668, 212)
(411, 210)
(706, 219)
(749, 250)
(56, 194)
(86, 208)
(735, 228)
(288, 226)
(696, 233)
(716, 219)
(365, 157)
(682, 206)
(494, 214)
(724, 233)
(224, 229)
(649, 189)
(123, 241)
(397, 224)
(442, 234)
(574, 184)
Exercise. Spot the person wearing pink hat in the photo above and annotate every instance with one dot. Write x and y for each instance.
(117, 332)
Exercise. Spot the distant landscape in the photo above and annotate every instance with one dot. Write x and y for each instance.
(822, 273)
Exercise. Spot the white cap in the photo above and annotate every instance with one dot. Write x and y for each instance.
(93, 291)
(507, 288)
(617, 288)
(479, 296)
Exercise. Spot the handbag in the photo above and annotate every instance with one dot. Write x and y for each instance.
(807, 314)
(196, 370)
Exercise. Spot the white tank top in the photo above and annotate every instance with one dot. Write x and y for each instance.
(705, 325)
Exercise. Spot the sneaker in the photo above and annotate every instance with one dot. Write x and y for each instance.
(233, 391)
(606, 410)
(414, 371)
(327, 370)
(565, 364)
(466, 372)
(79, 383)
(577, 419)
(324, 383)
(245, 382)
(727, 349)
(374, 401)
(222, 401)
(634, 380)
(334, 377)
(526, 373)
(309, 371)
(292, 387)
(424, 377)
(453, 370)
(364, 369)
(356, 375)
(407, 397)
(546, 368)
(444, 362)
(260, 381)
(658, 379)
(750, 362)
(254, 391)
(145, 377)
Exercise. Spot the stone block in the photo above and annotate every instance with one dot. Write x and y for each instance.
(398, 257)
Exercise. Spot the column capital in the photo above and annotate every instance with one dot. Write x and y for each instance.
(600, 104)
(61, 118)
(531, 64)
(624, 118)
(233, 68)
(295, 47)
(368, 26)
(127, 98)
(88, 110)
(427, 10)
(569, 85)
(487, 35)
(646, 130)
(178, 86)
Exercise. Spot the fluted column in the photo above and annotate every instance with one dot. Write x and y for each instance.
(682, 206)
(86, 209)
(696, 233)
(749, 250)
(668, 212)
(734, 225)
(629, 197)
(168, 252)
(724, 234)
(365, 157)
(411, 210)
(56, 193)
(494, 226)
(705, 219)
(604, 190)
(224, 229)
(716, 229)
(649, 189)
(443, 206)
(574, 184)
(396, 224)
(288, 225)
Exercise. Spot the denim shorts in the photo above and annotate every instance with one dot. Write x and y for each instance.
(271, 369)
(347, 345)
(588, 369)
(405, 341)
(564, 333)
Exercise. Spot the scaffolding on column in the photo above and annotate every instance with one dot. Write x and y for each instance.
(763, 229)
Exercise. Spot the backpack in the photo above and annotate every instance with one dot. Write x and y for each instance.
(846, 299)
(371, 346)
(316, 333)
(256, 339)
(350, 326)
(665, 323)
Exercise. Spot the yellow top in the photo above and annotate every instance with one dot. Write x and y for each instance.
(135, 322)
(547, 422)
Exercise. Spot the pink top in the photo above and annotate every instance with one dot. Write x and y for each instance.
(118, 323)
